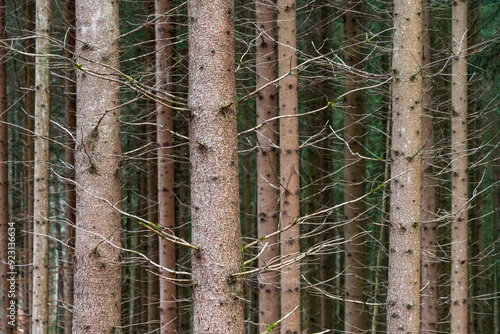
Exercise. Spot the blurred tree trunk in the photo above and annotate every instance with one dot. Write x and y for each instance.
(459, 176)
(97, 300)
(267, 163)
(403, 297)
(356, 270)
(41, 173)
(217, 307)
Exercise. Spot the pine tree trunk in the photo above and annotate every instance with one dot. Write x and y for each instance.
(41, 173)
(403, 297)
(4, 185)
(70, 193)
(428, 282)
(166, 177)
(459, 174)
(97, 169)
(267, 164)
(217, 304)
(356, 272)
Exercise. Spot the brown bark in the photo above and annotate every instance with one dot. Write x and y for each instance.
(166, 177)
(403, 297)
(267, 164)
(97, 169)
(41, 173)
(289, 166)
(356, 272)
(217, 307)
(459, 176)
(70, 193)
(5, 238)
(428, 307)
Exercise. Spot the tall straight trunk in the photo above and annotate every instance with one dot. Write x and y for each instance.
(70, 193)
(41, 189)
(403, 296)
(267, 163)
(97, 170)
(356, 272)
(4, 185)
(217, 304)
(459, 176)
(428, 307)
(166, 177)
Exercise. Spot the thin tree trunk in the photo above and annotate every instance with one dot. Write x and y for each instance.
(459, 176)
(97, 297)
(428, 308)
(217, 307)
(289, 166)
(267, 164)
(356, 272)
(5, 238)
(70, 193)
(166, 176)
(403, 297)
(41, 189)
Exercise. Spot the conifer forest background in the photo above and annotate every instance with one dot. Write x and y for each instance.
(264, 166)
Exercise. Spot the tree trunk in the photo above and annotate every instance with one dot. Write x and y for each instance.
(403, 297)
(166, 177)
(5, 238)
(459, 177)
(428, 307)
(97, 169)
(267, 164)
(70, 106)
(214, 170)
(41, 189)
(356, 272)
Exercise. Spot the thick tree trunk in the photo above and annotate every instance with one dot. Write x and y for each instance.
(428, 308)
(459, 174)
(403, 297)
(70, 193)
(267, 163)
(4, 185)
(217, 303)
(97, 168)
(166, 177)
(41, 189)
(356, 272)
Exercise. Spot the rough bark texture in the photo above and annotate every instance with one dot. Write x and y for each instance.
(459, 176)
(403, 297)
(70, 193)
(428, 283)
(267, 163)
(4, 185)
(166, 198)
(289, 167)
(41, 189)
(356, 272)
(97, 169)
(217, 304)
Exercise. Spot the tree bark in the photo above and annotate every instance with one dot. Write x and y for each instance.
(217, 307)
(289, 166)
(403, 297)
(356, 272)
(70, 193)
(459, 174)
(97, 168)
(267, 164)
(428, 307)
(4, 184)
(166, 177)
(41, 173)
